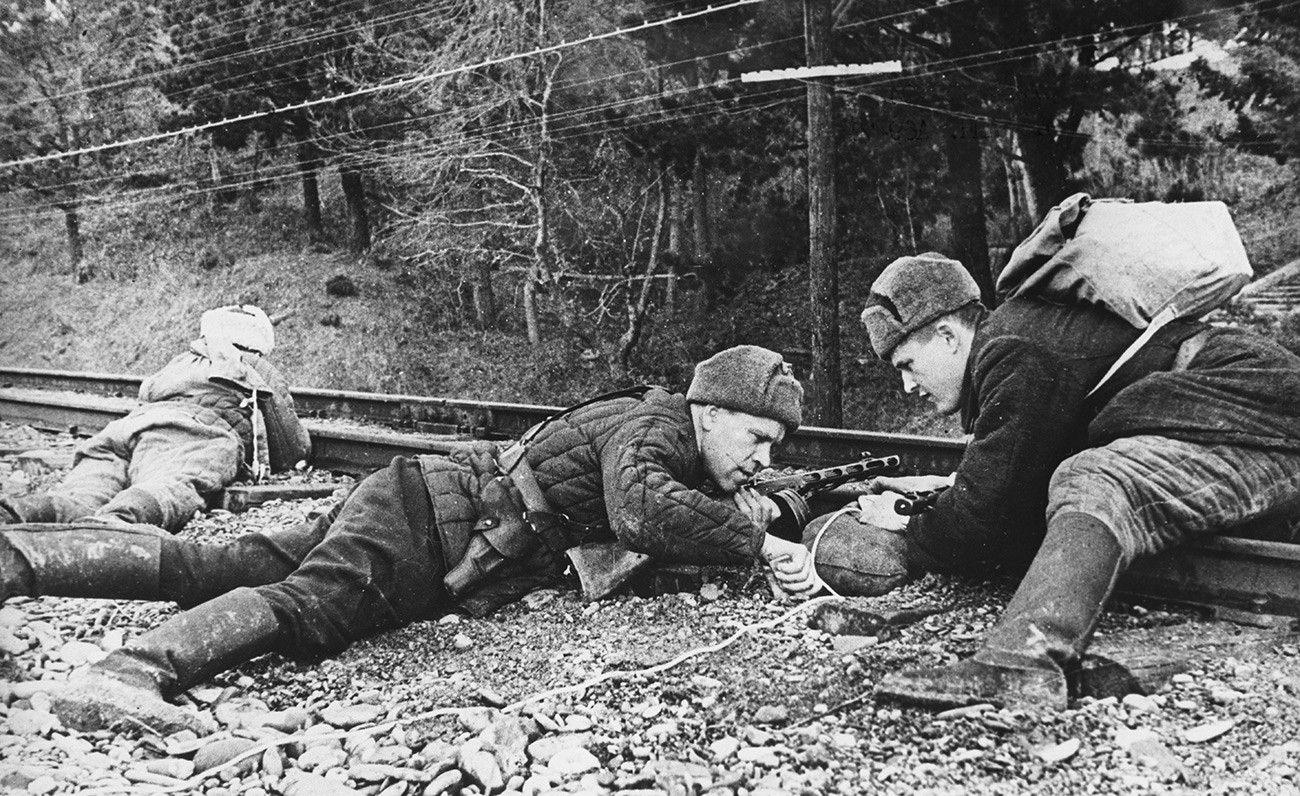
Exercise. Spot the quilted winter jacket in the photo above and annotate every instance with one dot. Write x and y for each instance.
(1032, 363)
(626, 468)
(188, 380)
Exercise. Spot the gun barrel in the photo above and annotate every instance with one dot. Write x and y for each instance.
(814, 481)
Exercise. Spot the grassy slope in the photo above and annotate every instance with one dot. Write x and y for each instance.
(144, 306)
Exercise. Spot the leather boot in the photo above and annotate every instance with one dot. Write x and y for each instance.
(80, 561)
(1040, 636)
(130, 687)
(42, 508)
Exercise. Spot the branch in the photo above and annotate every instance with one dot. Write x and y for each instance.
(576, 277)
(1125, 45)
(488, 223)
(496, 175)
(920, 41)
(501, 154)
(485, 208)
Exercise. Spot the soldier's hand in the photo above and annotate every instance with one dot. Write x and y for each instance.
(792, 564)
(878, 510)
(761, 510)
(909, 483)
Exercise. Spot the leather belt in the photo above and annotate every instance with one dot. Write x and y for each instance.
(514, 464)
(601, 567)
(542, 516)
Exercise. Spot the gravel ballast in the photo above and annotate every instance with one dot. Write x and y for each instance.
(720, 689)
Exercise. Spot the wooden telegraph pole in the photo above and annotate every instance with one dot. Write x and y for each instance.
(824, 401)
(825, 406)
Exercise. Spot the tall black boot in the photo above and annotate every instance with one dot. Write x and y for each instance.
(80, 561)
(129, 688)
(193, 573)
(1041, 634)
(44, 507)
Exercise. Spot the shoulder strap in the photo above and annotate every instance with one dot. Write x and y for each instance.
(1157, 323)
(628, 392)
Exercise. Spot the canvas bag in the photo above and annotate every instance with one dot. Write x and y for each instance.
(1147, 262)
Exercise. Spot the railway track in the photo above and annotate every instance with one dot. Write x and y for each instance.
(408, 424)
(1244, 579)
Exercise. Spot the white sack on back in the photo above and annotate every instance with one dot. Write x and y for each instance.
(1135, 259)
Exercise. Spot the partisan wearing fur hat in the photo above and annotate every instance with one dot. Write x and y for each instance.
(750, 379)
(911, 292)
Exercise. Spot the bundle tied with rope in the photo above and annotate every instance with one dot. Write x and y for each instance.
(853, 557)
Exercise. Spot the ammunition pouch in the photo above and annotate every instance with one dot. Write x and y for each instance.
(518, 520)
(501, 534)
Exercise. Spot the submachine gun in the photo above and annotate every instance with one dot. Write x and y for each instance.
(602, 567)
(792, 492)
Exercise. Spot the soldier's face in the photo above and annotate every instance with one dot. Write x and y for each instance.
(932, 362)
(734, 445)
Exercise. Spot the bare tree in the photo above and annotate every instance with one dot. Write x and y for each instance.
(60, 69)
(637, 311)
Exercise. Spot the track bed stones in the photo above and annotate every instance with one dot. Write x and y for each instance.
(711, 724)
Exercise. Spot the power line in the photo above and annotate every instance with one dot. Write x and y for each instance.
(404, 83)
(241, 54)
(379, 156)
(279, 66)
(344, 31)
(282, 172)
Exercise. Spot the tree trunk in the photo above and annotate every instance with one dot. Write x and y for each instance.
(965, 167)
(214, 174)
(1044, 166)
(824, 399)
(1021, 207)
(676, 238)
(354, 195)
(252, 196)
(81, 272)
(308, 168)
(540, 268)
(702, 230)
(531, 320)
(636, 313)
(970, 235)
(485, 302)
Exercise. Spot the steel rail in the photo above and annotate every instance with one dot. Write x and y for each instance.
(1244, 577)
(809, 446)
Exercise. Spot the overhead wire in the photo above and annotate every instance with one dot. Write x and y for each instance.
(380, 155)
(884, 17)
(451, 3)
(408, 121)
(1015, 53)
(146, 77)
(593, 109)
(918, 10)
(395, 151)
(289, 171)
(385, 86)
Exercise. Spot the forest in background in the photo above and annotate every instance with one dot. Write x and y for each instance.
(587, 194)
